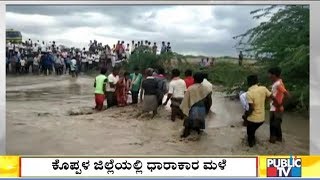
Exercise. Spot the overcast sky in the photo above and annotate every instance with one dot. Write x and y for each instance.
(198, 30)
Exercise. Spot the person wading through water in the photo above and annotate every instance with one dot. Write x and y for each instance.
(177, 88)
(196, 105)
(100, 88)
(280, 92)
(151, 92)
(113, 78)
(255, 116)
(162, 84)
(136, 79)
(122, 88)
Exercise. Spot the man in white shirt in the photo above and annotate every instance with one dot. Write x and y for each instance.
(16, 48)
(245, 105)
(73, 67)
(113, 78)
(113, 58)
(127, 52)
(243, 100)
(205, 82)
(49, 45)
(36, 63)
(96, 60)
(10, 48)
(35, 48)
(84, 60)
(90, 61)
(43, 47)
(23, 66)
(29, 42)
(177, 88)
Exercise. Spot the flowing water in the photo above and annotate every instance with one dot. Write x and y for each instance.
(39, 123)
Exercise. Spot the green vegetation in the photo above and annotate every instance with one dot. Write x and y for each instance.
(282, 41)
(145, 60)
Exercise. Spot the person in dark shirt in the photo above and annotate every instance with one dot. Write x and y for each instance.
(163, 47)
(168, 47)
(163, 84)
(240, 58)
(151, 92)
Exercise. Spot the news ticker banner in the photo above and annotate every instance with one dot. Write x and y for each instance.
(262, 166)
(127, 167)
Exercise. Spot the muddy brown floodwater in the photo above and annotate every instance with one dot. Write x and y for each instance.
(39, 123)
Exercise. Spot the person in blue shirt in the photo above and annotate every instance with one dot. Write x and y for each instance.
(48, 62)
(68, 63)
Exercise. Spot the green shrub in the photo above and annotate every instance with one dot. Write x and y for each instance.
(145, 60)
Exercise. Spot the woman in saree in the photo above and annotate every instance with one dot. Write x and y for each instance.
(196, 105)
(122, 89)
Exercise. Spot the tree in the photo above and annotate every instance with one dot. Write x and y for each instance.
(283, 39)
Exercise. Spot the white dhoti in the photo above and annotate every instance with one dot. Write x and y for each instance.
(243, 100)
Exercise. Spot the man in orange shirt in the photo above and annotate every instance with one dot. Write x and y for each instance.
(188, 78)
(276, 109)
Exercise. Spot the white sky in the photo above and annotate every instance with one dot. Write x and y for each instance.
(197, 30)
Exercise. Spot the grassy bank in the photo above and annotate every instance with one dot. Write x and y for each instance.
(233, 78)
(227, 73)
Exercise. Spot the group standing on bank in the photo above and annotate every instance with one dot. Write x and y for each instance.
(47, 57)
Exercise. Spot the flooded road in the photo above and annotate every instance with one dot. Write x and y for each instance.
(39, 123)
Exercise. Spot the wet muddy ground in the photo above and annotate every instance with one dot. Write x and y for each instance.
(39, 123)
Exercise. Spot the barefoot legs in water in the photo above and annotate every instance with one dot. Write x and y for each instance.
(138, 115)
(198, 130)
(154, 113)
(186, 132)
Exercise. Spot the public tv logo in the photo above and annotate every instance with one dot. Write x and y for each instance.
(284, 167)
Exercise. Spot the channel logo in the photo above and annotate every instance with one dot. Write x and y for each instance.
(9, 166)
(284, 167)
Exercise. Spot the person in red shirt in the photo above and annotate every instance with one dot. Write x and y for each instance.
(188, 78)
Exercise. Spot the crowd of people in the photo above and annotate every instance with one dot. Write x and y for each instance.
(193, 93)
(206, 62)
(47, 58)
(190, 97)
